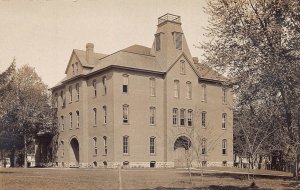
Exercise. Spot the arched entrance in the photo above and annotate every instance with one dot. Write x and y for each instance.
(182, 146)
(74, 152)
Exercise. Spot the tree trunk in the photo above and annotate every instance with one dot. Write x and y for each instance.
(25, 151)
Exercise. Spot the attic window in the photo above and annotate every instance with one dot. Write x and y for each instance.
(178, 40)
(157, 42)
(73, 70)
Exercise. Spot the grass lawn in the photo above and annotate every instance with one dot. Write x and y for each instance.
(150, 179)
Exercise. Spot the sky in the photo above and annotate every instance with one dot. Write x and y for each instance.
(43, 33)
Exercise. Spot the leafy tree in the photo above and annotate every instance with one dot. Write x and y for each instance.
(256, 42)
(27, 107)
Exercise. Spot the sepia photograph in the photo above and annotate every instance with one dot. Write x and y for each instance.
(149, 94)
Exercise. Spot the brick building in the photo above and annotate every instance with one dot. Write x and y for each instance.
(143, 107)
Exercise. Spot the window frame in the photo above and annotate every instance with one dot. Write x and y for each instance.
(62, 123)
(224, 147)
(177, 37)
(152, 145)
(71, 120)
(204, 146)
(157, 42)
(105, 145)
(176, 89)
(77, 91)
(125, 85)
(104, 114)
(182, 117)
(95, 117)
(175, 117)
(190, 118)
(94, 83)
(104, 81)
(224, 120)
(125, 114)
(70, 94)
(203, 119)
(125, 145)
(204, 93)
(224, 96)
(152, 87)
(152, 115)
(189, 90)
(77, 119)
(95, 146)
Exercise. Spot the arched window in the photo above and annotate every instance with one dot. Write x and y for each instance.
(176, 88)
(125, 113)
(62, 147)
(204, 95)
(182, 67)
(105, 145)
(224, 146)
(95, 116)
(77, 91)
(182, 117)
(104, 115)
(152, 116)
(95, 145)
(188, 90)
(152, 87)
(175, 116)
(224, 115)
(104, 85)
(125, 83)
(178, 40)
(77, 119)
(95, 87)
(203, 146)
(62, 123)
(203, 119)
(71, 120)
(190, 118)
(152, 145)
(224, 96)
(125, 144)
(70, 93)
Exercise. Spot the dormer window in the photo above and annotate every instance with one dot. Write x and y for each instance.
(178, 40)
(157, 42)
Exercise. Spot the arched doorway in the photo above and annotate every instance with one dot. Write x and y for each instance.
(182, 146)
(74, 152)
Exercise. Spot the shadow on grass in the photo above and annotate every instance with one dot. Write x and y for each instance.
(211, 187)
(242, 176)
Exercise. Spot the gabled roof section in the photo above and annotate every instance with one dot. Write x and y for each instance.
(209, 73)
(129, 59)
(138, 49)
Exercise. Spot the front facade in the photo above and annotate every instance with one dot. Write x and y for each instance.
(143, 107)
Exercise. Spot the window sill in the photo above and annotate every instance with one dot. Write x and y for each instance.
(152, 125)
(126, 154)
(104, 124)
(152, 95)
(77, 101)
(95, 155)
(94, 125)
(70, 102)
(224, 128)
(224, 154)
(126, 123)
(104, 155)
(152, 154)
(204, 101)
(70, 129)
(77, 127)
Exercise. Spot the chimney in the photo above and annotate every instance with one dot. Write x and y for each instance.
(196, 60)
(90, 53)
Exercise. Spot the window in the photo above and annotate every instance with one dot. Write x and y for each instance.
(62, 123)
(204, 163)
(105, 145)
(152, 115)
(77, 119)
(95, 146)
(76, 68)
(125, 144)
(152, 145)
(204, 98)
(104, 85)
(175, 116)
(224, 163)
(70, 93)
(224, 120)
(95, 116)
(125, 113)
(95, 87)
(182, 117)
(157, 42)
(73, 70)
(190, 118)
(55, 100)
(63, 99)
(104, 115)
(224, 96)
(176, 88)
(203, 119)
(224, 146)
(152, 87)
(188, 90)
(71, 120)
(182, 67)
(203, 146)
(77, 91)
(62, 148)
(125, 83)
(178, 40)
